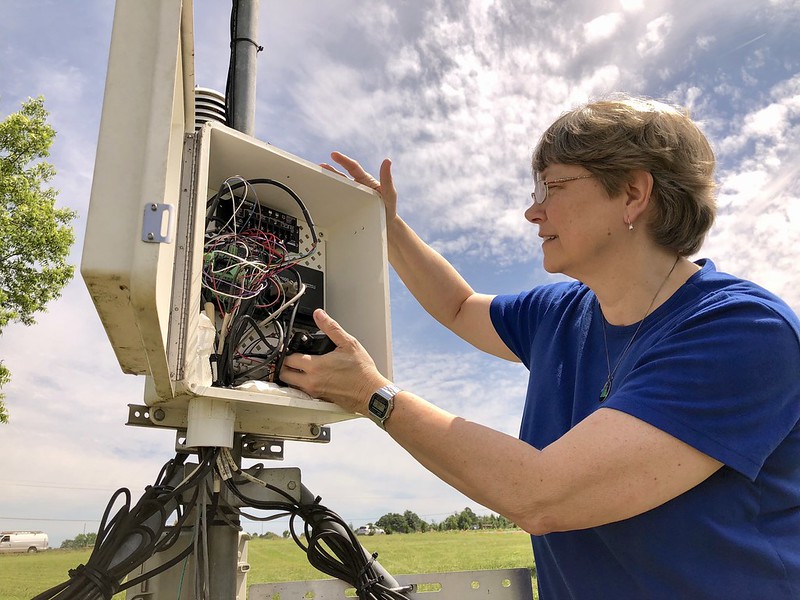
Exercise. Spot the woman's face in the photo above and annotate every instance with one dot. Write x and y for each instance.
(580, 225)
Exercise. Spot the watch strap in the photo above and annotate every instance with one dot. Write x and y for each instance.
(381, 404)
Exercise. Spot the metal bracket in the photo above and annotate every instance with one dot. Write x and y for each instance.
(171, 417)
(261, 448)
(252, 446)
(153, 223)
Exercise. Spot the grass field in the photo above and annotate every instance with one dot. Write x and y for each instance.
(22, 576)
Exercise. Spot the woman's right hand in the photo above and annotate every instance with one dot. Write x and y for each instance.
(385, 187)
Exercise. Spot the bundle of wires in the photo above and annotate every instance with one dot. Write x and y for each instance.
(331, 546)
(249, 276)
(134, 534)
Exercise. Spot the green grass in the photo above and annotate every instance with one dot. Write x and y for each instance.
(25, 575)
(22, 576)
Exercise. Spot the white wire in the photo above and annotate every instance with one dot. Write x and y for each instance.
(247, 188)
(287, 304)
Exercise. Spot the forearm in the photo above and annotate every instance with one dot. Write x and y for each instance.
(433, 281)
(490, 467)
(608, 468)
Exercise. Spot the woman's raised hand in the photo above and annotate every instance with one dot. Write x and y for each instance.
(385, 187)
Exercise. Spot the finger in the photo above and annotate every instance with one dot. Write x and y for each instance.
(355, 169)
(328, 167)
(331, 328)
(290, 376)
(294, 361)
(387, 182)
(344, 160)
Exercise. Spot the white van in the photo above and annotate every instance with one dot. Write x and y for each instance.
(22, 541)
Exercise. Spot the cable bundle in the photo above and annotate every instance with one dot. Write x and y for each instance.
(134, 534)
(332, 547)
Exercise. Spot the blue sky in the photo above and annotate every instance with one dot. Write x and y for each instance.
(456, 93)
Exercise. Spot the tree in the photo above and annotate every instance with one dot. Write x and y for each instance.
(392, 523)
(35, 236)
(467, 519)
(82, 540)
(408, 522)
(414, 523)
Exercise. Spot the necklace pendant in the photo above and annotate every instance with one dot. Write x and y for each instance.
(606, 390)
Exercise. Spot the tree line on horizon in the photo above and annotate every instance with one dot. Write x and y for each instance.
(410, 522)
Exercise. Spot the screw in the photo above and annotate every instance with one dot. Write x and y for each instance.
(154, 207)
(150, 236)
(159, 414)
(292, 485)
(315, 430)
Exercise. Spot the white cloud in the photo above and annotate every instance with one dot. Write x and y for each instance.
(654, 39)
(758, 230)
(405, 64)
(769, 122)
(602, 27)
(631, 5)
(704, 42)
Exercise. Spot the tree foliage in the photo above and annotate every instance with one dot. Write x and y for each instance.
(410, 522)
(35, 236)
(82, 540)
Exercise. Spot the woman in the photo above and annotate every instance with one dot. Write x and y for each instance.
(658, 453)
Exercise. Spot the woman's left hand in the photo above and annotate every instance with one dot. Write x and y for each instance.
(346, 376)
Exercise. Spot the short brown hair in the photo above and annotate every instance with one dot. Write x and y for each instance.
(613, 137)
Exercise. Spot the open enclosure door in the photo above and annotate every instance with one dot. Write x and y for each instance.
(129, 247)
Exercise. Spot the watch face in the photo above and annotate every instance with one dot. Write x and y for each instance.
(378, 406)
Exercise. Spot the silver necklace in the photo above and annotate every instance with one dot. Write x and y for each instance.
(604, 393)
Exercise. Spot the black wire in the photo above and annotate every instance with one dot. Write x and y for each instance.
(306, 215)
(332, 547)
(229, 83)
(226, 376)
(133, 534)
(266, 359)
(228, 187)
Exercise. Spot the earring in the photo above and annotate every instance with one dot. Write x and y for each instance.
(629, 224)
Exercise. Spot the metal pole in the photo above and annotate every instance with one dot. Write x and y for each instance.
(223, 561)
(223, 540)
(223, 546)
(245, 47)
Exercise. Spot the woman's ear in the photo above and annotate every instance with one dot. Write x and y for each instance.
(638, 190)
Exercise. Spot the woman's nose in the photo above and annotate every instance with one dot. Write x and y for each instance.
(534, 212)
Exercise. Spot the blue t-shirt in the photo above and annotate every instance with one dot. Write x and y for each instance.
(716, 366)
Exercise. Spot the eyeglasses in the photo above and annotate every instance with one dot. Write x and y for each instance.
(539, 194)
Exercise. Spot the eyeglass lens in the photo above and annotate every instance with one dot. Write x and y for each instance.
(539, 192)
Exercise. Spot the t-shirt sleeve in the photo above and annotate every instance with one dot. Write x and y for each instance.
(517, 317)
(507, 313)
(726, 382)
